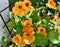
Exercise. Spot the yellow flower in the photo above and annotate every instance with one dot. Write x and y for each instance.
(28, 5)
(22, 8)
(28, 39)
(42, 30)
(20, 5)
(19, 9)
(28, 30)
(27, 23)
(51, 4)
(17, 39)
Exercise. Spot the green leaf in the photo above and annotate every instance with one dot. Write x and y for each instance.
(38, 3)
(48, 29)
(35, 17)
(53, 37)
(40, 40)
(45, 21)
(59, 12)
(58, 44)
(4, 41)
(51, 45)
(11, 24)
(59, 38)
(19, 28)
(13, 1)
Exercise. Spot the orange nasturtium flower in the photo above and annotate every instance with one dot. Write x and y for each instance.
(22, 8)
(57, 18)
(27, 23)
(42, 30)
(51, 4)
(28, 4)
(28, 39)
(17, 39)
(28, 30)
(19, 9)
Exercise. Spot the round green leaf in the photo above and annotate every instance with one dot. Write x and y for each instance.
(45, 21)
(4, 41)
(53, 37)
(40, 40)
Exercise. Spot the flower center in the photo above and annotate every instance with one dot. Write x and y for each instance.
(41, 30)
(27, 23)
(27, 4)
(20, 7)
(27, 34)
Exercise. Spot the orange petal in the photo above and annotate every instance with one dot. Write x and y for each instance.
(28, 30)
(28, 39)
(58, 21)
(27, 23)
(27, 3)
(51, 4)
(31, 8)
(17, 39)
(42, 30)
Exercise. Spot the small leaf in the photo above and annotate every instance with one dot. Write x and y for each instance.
(40, 40)
(10, 24)
(19, 28)
(45, 21)
(4, 41)
(35, 16)
(53, 37)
